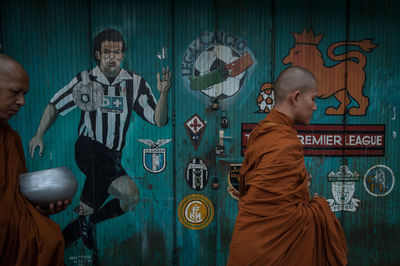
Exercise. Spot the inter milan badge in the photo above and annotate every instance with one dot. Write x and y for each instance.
(233, 180)
(343, 188)
(197, 174)
(154, 158)
(379, 180)
(195, 127)
(195, 212)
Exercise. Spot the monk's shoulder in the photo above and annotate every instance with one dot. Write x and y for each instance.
(10, 132)
(278, 134)
(282, 141)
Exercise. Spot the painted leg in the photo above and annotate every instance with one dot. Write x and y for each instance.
(344, 100)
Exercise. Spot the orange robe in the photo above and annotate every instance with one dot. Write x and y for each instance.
(26, 236)
(277, 222)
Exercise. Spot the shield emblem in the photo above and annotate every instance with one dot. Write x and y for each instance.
(343, 191)
(197, 174)
(233, 179)
(154, 160)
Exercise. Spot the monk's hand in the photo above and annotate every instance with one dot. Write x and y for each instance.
(54, 208)
(315, 195)
(309, 180)
(36, 141)
(164, 83)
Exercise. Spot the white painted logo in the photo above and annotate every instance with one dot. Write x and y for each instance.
(343, 188)
(379, 180)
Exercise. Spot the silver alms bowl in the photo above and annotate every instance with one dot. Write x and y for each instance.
(48, 186)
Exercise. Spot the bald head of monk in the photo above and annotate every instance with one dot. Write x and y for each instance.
(14, 84)
(295, 93)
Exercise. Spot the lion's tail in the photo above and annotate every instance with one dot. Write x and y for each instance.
(366, 45)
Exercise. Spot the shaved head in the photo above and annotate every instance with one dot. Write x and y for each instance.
(293, 78)
(14, 84)
(11, 69)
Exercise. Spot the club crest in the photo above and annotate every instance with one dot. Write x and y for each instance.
(217, 63)
(195, 127)
(379, 180)
(195, 212)
(343, 188)
(154, 158)
(197, 174)
(266, 98)
(233, 180)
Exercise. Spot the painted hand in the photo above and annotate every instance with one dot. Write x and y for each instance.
(165, 83)
(36, 141)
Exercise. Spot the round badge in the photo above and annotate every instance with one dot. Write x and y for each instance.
(88, 97)
(195, 211)
(379, 180)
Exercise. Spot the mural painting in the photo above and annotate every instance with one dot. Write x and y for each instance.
(379, 180)
(196, 212)
(332, 80)
(197, 174)
(195, 127)
(233, 180)
(343, 188)
(333, 139)
(266, 98)
(154, 158)
(106, 96)
(216, 63)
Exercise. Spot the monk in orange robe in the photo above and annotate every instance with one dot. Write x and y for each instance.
(278, 223)
(27, 236)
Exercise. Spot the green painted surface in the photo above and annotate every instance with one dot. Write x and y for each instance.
(54, 40)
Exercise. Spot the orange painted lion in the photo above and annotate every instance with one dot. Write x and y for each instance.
(333, 80)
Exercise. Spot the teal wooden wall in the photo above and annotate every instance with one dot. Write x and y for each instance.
(54, 40)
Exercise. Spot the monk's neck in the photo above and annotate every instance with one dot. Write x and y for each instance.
(278, 117)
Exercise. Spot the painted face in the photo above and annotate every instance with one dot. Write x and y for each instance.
(12, 94)
(110, 57)
(306, 106)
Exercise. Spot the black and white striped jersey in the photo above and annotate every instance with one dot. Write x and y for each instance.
(109, 122)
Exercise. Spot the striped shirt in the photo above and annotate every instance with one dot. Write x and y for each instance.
(109, 122)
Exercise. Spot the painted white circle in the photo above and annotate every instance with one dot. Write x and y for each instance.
(196, 210)
(372, 181)
(208, 60)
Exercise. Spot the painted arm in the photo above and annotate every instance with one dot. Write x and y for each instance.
(49, 116)
(161, 112)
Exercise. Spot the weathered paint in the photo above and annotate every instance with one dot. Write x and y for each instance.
(54, 39)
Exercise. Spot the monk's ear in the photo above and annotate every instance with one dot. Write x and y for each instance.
(295, 97)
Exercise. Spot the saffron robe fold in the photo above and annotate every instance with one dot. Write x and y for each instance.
(26, 236)
(277, 222)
